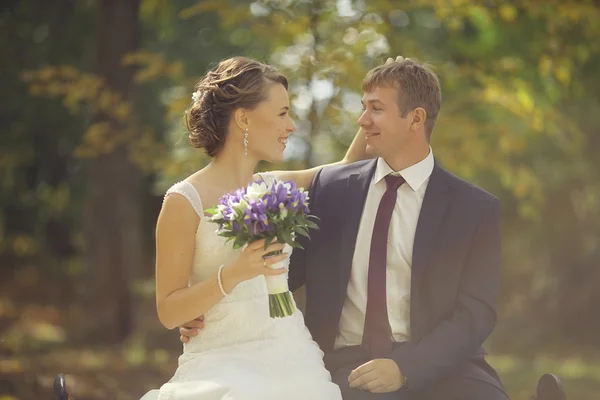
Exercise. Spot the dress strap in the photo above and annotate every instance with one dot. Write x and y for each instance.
(188, 191)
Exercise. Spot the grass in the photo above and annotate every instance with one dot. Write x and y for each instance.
(581, 378)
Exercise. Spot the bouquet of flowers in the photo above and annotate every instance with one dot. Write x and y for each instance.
(266, 209)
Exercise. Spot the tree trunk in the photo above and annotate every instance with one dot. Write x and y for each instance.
(112, 217)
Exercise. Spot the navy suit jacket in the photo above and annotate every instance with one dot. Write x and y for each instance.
(455, 269)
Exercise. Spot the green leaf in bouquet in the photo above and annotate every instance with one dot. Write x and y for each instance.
(297, 245)
(286, 237)
(268, 241)
(301, 230)
(211, 211)
(311, 224)
(227, 234)
(239, 242)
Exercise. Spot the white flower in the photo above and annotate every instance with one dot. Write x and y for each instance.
(240, 207)
(219, 213)
(196, 96)
(256, 190)
(283, 212)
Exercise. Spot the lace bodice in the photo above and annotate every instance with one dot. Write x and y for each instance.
(211, 250)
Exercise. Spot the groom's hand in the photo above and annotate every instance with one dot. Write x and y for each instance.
(381, 375)
(190, 329)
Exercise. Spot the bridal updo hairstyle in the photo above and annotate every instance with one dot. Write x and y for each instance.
(237, 82)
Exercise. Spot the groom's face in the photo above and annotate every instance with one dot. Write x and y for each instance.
(385, 128)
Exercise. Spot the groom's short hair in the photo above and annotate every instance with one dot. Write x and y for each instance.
(417, 84)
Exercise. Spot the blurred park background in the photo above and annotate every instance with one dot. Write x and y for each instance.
(92, 134)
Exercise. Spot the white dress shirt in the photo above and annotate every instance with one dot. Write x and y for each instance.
(401, 237)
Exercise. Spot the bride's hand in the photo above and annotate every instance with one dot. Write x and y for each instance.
(251, 262)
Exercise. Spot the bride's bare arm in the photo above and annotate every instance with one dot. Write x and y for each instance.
(176, 302)
(304, 177)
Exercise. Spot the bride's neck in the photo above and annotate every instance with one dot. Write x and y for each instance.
(232, 168)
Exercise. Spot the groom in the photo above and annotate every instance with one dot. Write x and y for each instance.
(402, 277)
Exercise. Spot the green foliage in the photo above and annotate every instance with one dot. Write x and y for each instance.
(520, 114)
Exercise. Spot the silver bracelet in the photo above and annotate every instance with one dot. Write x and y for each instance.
(220, 281)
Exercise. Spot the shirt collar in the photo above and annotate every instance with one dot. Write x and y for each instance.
(415, 175)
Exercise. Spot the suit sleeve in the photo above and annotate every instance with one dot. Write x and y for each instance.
(297, 270)
(457, 338)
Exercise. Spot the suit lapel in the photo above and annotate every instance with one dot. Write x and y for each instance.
(435, 203)
(357, 187)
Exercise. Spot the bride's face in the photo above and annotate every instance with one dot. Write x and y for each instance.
(269, 126)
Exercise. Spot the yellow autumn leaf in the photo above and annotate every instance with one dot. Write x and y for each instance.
(135, 354)
(7, 309)
(175, 70)
(94, 360)
(454, 23)
(55, 88)
(83, 151)
(537, 122)
(46, 73)
(24, 245)
(545, 65)
(91, 85)
(138, 57)
(46, 332)
(491, 93)
(152, 71)
(574, 14)
(97, 134)
(507, 12)
(202, 7)
(107, 100)
(122, 111)
(161, 356)
(68, 72)
(525, 99)
(8, 397)
(563, 74)
(27, 76)
(36, 90)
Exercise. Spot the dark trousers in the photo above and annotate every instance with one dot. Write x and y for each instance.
(463, 384)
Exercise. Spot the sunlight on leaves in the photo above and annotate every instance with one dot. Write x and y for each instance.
(202, 7)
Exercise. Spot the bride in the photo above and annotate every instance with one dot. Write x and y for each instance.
(240, 116)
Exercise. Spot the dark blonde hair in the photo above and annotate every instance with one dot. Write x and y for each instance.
(237, 82)
(417, 84)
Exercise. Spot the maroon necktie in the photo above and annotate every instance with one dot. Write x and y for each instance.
(377, 335)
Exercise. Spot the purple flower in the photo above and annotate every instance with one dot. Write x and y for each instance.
(228, 213)
(271, 205)
(281, 192)
(258, 207)
(258, 227)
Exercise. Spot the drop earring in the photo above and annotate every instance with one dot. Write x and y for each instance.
(246, 142)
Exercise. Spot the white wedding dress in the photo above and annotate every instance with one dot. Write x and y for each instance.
(242, 353)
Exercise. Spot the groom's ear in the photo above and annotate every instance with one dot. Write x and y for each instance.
(419, 115)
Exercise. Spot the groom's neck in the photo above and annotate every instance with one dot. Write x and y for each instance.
(408, 156)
